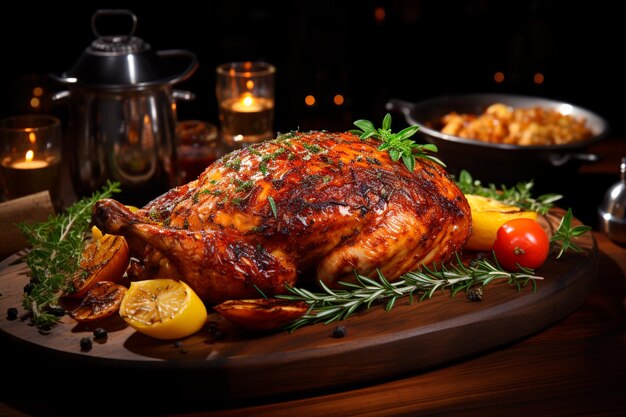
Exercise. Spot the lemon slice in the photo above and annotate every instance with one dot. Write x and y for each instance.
(487, 217)
(163, 308)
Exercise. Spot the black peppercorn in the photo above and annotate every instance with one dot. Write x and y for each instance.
(100, 333)
(475, 293)
(85, 343)
(28, 288)
(339, 332)
(11, 313)
(57, 311)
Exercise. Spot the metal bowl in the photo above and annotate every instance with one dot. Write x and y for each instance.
(501, 164)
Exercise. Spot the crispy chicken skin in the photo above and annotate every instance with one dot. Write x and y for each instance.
(305, 204)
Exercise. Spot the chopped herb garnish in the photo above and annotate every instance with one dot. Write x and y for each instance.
(243, 185)
(234, 163)
(273, 206)
(312, 148)
(288, 135)
(273, 155)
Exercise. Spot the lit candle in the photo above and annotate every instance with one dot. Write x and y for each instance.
(28, 175)
(247, 104)
(29, 162)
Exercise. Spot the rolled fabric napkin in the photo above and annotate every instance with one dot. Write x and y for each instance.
(30, 209)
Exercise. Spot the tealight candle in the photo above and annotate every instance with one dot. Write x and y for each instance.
(245, 93)
(29, 175)
(248, 104)
(30, 155)
(29, 164)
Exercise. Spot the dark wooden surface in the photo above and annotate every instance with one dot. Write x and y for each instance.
(234, 366)
(574, 367)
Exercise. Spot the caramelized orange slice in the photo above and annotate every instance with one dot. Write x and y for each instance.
(104, 259)
(101, 301)
(263, 314)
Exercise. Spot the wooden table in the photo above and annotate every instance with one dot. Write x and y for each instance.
(575, 367)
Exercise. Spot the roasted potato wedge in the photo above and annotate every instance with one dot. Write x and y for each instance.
(263, 314)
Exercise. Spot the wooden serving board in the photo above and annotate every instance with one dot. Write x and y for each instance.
(222, 362)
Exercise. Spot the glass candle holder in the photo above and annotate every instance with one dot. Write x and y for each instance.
(30, 155)
(245, 95)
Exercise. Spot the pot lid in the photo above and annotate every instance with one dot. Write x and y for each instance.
(126, 61)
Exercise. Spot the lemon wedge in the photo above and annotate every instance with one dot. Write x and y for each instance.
(96, 233)
(487, 217)
(163, 308)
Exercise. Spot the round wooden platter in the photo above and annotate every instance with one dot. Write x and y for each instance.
(226, 363)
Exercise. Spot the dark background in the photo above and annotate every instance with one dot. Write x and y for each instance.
(419, 50)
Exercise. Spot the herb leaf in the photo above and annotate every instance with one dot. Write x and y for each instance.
(338, 304)
(57, 246)
(565, 233)
(273, 206)
(519, 196)
(398, 145)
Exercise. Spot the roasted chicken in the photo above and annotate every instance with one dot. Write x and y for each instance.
(305, 205)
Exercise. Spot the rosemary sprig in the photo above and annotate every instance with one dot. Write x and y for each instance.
(519, 196)
(398, 145)
(57, 245)
(565, 233)
(339, 304)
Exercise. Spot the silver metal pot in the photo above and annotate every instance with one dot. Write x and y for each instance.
(122, 120)
(550, 166)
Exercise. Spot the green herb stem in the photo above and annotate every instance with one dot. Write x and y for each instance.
(519, 196)
(339, 304)
(54, 257)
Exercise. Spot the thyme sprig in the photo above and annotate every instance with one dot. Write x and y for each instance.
(339, 304)
(520, 195)
(565, 233)
(57, 245)
(398, 145)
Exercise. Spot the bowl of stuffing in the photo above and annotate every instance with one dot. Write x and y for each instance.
(506, 139)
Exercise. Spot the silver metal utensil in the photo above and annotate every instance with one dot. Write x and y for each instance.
(612, 211)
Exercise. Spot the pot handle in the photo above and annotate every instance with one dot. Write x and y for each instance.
(183, 95)
(193, 63)
(403, 107)
(61, 96)
(557, 160)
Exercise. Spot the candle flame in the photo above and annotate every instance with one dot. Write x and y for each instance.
(29, 156)
(247, 101)
(32, 138)
(249, 84)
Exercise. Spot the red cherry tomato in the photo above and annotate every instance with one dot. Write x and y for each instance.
(521, 241)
